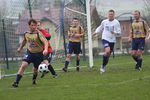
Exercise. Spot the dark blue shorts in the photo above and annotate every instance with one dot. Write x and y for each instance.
(35, 58)
(74, 47)
(48, 57)
(138, 43)
(108, 44)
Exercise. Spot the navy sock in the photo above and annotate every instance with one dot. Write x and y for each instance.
(34, 76)
(105, 61)
(51, 69)
(139, 62)
(135, 58)
(77, 62)
(18, 78)
(66, 64)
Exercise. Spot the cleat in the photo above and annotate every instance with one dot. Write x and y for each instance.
(136, 66)
(43, 74)
(102, 70)
(55, 76)
(34, 82)
(77, 68)
(139, 68)
(65, 69)
(15, 84)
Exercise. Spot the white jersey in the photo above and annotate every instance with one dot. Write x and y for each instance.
(106, 26)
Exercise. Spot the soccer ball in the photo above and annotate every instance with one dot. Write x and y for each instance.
(43, 68)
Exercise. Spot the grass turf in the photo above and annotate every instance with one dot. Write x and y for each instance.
(120, 82)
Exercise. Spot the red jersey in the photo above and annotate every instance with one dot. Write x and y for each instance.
(47, 35)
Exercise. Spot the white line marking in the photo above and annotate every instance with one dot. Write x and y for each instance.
(78, 85)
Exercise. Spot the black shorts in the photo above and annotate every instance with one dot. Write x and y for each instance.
(74, 47)
(35, 58)
(138, 43)
(108, 44)
(48, 57)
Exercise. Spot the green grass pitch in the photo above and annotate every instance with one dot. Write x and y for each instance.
(119, 82)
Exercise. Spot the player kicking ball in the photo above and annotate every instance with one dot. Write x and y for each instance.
(47, 59)
(75, 33)
(109, 28)
(138, 36)
(34, 41)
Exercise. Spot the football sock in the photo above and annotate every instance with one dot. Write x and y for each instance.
(51, 69)
(18, 78)
(135, 58)
(139, 62)
(77, 62)
(34, 76)
(105, 61)
(66, 64)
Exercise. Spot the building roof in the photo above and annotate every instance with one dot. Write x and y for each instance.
(50, 14)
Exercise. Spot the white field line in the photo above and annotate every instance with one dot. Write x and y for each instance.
(127, 63)
(79, 85)
(129, 81)
(6, 75)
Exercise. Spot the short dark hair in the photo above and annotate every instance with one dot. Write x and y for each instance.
(75, 18)
(32, 21)
(38, 21)
(111, 11)
(138, 11)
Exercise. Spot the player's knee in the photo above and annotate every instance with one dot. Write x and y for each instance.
(24, 66)
(77, 56)
(35, 70)
(107, 53)
(133, 54)
(68, 57)
(139, 54)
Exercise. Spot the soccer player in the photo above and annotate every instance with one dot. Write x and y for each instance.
(138, 36)
(109, 28)
(34, 41)
(47, 59)
(75, 34)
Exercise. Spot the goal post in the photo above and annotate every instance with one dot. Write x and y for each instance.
(89, 33)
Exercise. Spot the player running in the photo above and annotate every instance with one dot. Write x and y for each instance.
(75, 34)
(109, 28)
(138, 36)
(34, 54)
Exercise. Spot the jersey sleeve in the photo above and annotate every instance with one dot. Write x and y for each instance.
(146, 27)
(81, 30)
(100, 28)
(42, 37)
(24, 36)
(46, 34)
(118, 28)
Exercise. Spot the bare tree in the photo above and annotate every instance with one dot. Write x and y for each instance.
(146, 11)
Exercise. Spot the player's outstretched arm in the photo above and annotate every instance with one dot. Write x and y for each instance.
(21, 45)
(99, 29)
(130, 37)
